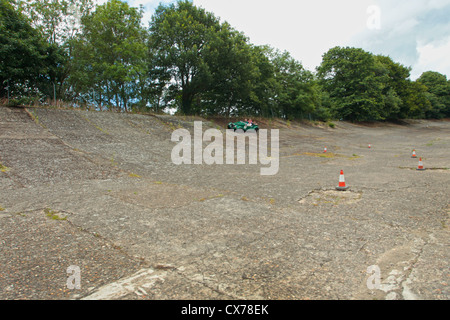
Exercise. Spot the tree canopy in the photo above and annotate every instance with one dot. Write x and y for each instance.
(190, 61)
(437, 92)
(365, 87)
(109, 55)
(23, 53)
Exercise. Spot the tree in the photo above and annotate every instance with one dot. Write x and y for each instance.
(109, 55)
(416, 101)
(261, 101)
(352, 80)
(58, 21)
(22, 53)
(396, 82)
(182, 33)
(154, 89)
(438, 93)
(296, 93)
(229, 60)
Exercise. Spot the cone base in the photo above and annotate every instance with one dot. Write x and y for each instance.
(421, 169)
(342, 188)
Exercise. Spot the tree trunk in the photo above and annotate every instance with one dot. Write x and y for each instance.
(186, 103)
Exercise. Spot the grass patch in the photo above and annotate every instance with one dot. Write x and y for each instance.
(211, 197)
(133, 175)
(3, 168)
(53, 214)
(328, 155)
(320, 155)
(2, 209)
(172, 126)
(430, 168)
(113, 162)
(430, 143)
(35, 118)
(95, 125)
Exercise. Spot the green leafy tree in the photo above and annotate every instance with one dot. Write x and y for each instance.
(416, 100)
(110, 55)
(155, 85)
(23, 53)
(403, 98)
(351, 77)
(261, 101)
(395, 79)
(297, 93)
(182, 34)
(58, 21)
(438, 93)
(229, 60)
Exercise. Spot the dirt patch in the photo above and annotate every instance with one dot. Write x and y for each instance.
(331, 197)
(163, 195)
(328, 155)
(431, 169)
(37, 249)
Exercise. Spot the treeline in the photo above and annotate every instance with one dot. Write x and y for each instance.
(189, 61)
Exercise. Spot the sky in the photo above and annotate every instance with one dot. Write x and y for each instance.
(415, 33)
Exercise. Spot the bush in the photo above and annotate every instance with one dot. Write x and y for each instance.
(23, 101)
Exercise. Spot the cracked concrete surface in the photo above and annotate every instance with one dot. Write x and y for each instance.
(140, 227)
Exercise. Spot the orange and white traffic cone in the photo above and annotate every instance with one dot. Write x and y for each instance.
(414, 155)
(420, 167)
(342, 186)
(325, 150)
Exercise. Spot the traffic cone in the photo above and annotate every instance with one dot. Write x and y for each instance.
(420, 167)
(325, 150)
(370, 146)
(414, 154)
(342, 186)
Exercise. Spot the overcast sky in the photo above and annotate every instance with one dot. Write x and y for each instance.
(415, 33)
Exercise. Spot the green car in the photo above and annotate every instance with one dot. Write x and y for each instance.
(243, 125)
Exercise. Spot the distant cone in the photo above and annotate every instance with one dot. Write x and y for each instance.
(414, 155)
(325, 150)
(420, 167)
(342, 186)
(370, 146)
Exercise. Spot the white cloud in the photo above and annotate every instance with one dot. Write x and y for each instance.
(149, 7)
(433, 57)
(307, 29)
(99, 2)
(414, 33)
(409, 30)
